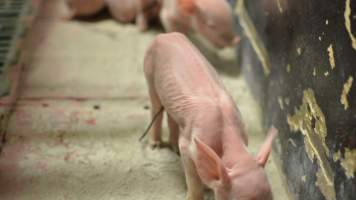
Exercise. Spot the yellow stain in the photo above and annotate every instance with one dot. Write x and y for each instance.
(304, 178)
(347, 15)
(331, 56)
(345, 92)
(280, 101)
(348, 162)
(252, 34)
(287, 101)
(299, 51)
(326, 189)
(279, 5)
(310, 121)
(289, 67)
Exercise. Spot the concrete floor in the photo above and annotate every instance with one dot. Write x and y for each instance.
(74, 132)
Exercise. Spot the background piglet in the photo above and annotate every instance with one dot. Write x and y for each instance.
(213, 19)
(141, 11)
(79, 8)
(204, 123)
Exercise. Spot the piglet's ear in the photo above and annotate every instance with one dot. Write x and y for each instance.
(187, 6)
(265, 150)
(209, 166)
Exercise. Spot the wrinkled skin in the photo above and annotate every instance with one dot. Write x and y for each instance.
(141, 11)
(204, 123)
(213, 19)
(80, 8)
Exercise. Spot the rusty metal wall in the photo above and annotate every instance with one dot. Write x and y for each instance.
(299, 58)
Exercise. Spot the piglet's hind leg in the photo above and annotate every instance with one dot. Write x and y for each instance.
(155, 139)
(173, 133)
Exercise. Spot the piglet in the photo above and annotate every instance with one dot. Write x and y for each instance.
(141, 11)
(213, 19)
(204, 123)
(84, 8)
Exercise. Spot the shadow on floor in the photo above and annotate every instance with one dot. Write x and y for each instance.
(224, 61)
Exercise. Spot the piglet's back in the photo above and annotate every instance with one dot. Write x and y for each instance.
(178, 65)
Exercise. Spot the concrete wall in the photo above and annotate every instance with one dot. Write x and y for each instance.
(300, 60)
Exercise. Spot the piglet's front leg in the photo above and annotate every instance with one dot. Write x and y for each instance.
(141, 22)
(155, 138)
(173, 134)
(195, 187)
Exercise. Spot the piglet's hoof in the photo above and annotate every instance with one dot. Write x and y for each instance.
(155, 144)
(175, 149)
(159, 145)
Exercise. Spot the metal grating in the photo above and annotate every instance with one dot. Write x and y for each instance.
(12, 13)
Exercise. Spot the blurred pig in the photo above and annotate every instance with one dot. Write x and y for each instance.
(83, 8)
(213, 19)
(141, 11)
(204, 123)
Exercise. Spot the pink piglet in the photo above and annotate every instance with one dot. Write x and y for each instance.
(204, 123)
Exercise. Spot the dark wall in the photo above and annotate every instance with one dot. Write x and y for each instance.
(310, 92)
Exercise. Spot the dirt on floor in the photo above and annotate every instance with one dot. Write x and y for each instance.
(84, 104)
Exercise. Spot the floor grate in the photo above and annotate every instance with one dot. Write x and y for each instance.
(12, 26)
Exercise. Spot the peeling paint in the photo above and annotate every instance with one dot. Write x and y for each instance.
(304, 178)
(331, 56)
(345, 92)
(327, 190)
(292, 142)
(299, 51)
(279, 5)
(287, 101)
(337, 156)
(310, 121)
(289, 67)
(252, 35)
(280, 101)
(347, 14)
(348, 162)
(326, 73)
